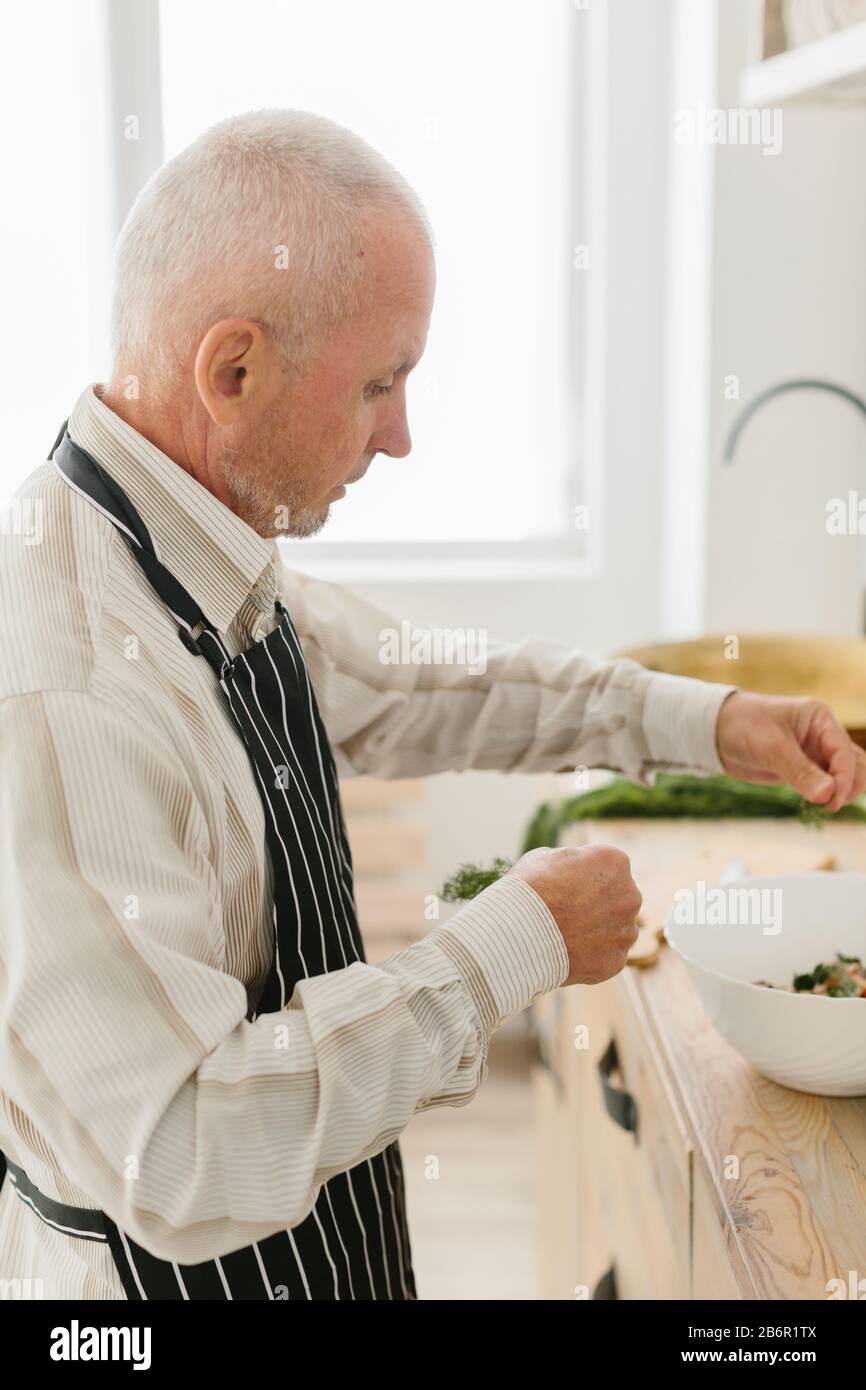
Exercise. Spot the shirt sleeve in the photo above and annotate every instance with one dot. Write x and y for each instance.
(126, 1044)
(396, 704)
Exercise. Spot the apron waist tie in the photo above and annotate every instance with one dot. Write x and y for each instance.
(86, 1223)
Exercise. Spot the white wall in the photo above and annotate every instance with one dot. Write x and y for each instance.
(786, 297)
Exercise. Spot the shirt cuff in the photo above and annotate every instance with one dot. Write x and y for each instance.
(507, 947)
(679, 721)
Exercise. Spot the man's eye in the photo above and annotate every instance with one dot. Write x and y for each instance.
(376, 390)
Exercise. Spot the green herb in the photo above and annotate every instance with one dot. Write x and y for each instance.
(676, 794)
(819, 976)
(840, 984)
(846, 988)
(812, 813)
(471, 879)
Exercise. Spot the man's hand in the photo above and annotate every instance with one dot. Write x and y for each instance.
(768, 738)
(594, 901)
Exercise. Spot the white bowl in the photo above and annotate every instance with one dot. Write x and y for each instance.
(808, 1042)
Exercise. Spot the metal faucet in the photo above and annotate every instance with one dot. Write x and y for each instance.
(804, 384)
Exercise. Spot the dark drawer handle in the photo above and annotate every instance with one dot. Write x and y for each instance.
(620, 1105)
(606, 1286)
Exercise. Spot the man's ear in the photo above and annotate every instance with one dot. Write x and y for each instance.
(231, 358)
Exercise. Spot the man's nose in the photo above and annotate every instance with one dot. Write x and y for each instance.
(394, 438)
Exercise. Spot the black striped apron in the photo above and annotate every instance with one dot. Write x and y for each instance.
(354, 1244)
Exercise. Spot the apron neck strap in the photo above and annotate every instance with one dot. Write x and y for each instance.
(88, 477)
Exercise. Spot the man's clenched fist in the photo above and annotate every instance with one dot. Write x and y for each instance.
(594, 901)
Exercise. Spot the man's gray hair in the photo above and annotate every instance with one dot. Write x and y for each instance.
(259, 218)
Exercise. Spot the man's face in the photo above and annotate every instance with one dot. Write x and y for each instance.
(320, 430)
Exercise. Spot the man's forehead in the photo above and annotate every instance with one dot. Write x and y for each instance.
(401, 283)
(400, 351)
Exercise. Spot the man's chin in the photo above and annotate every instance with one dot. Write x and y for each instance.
(308, 522)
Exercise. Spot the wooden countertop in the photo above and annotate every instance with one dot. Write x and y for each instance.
(795, 1217)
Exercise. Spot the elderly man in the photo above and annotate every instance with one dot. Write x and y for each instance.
(204, 1081)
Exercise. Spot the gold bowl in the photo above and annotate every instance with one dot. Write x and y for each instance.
(832, 669)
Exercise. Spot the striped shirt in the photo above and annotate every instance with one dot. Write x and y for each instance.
(136, 927)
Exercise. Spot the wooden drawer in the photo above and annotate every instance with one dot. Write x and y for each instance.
(610, 1197)
(555, 1124)
(650, 1168)
(573, 1193)
(584, 1031)
(661, 1129)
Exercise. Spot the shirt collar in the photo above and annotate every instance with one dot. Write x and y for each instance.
(219, 559)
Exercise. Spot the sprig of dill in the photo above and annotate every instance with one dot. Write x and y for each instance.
(470, 880)
(813, 813)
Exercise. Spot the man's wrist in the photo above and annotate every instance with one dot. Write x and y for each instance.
(680, 720)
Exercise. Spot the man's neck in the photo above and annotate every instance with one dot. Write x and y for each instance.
(162, 433)
(172, 433)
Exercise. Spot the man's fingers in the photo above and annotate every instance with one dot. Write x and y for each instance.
(810, 780)
(798, 741)
(839, 756)
(858, 786)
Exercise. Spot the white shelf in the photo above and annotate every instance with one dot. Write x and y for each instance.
(832, 69)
